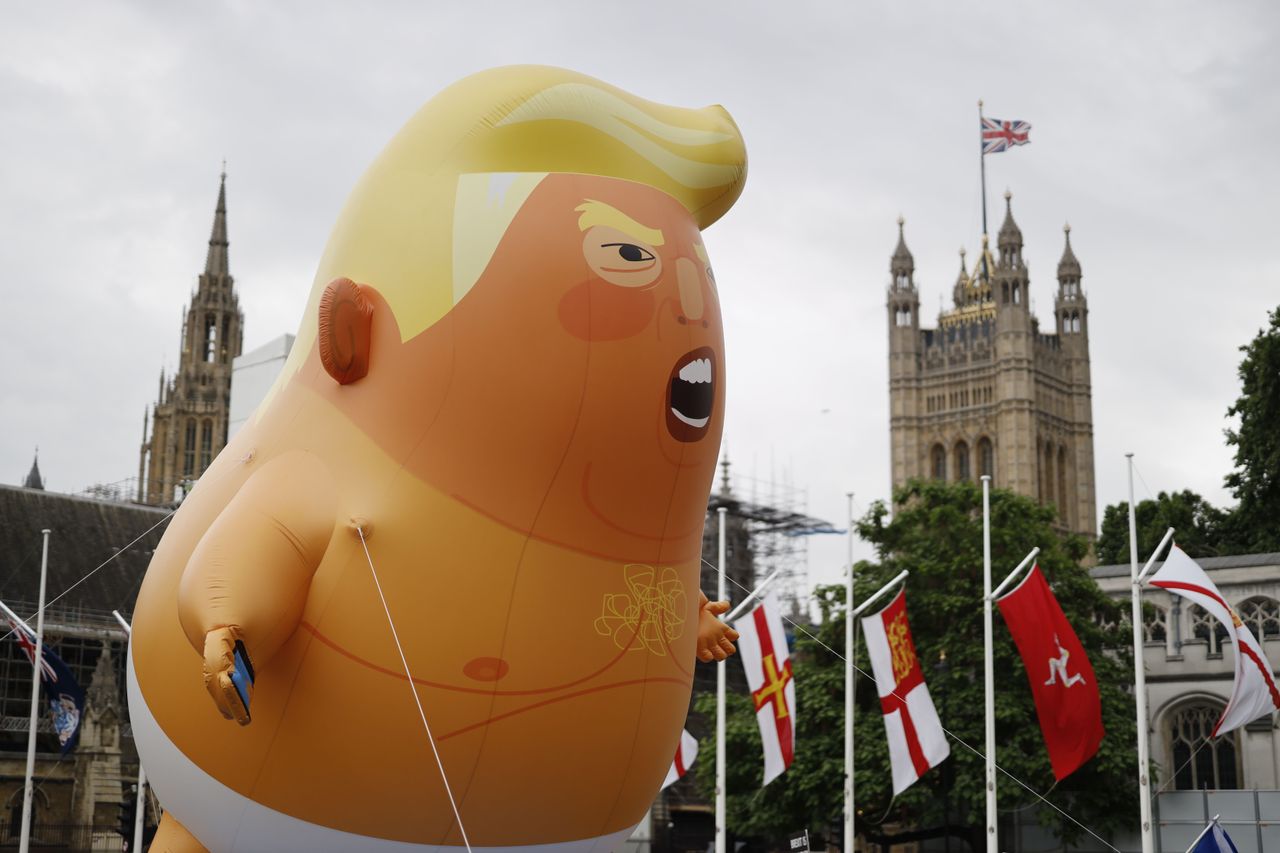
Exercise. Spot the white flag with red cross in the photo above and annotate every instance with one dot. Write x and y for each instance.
(762, 645)
(686, 752)
(916, 739)
(1255, 692)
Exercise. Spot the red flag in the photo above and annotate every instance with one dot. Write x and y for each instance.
(1062, 681)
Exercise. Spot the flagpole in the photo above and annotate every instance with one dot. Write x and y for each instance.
(721, 835)
(751, 598)
(37, 662)
(139, 808)
(848, 689)
(1013, 574)
(878, 594)
(1196, 840)
(982, 158)
(988, 675)
(1140, 679)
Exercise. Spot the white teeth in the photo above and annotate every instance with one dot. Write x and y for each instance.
(698, 370)
(693, 422)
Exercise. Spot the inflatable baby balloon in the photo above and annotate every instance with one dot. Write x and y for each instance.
(473, 500)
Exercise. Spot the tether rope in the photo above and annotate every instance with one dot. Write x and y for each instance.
(949, 733)
(414, 690)
(243, 460)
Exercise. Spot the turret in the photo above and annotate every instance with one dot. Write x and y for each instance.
(1011, 279)
(1070, 306)
(904, 299)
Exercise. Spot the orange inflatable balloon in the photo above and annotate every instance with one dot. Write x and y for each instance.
(474, 499)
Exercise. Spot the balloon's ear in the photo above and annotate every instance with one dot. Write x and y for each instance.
(346, 321)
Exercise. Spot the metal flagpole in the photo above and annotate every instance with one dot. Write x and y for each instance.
(988, 674)
(876, 596)
(37, 662)
(848, 690)
(140, 813)
(749, 602)
(982, 158)
(1139, 680)
(721, 835)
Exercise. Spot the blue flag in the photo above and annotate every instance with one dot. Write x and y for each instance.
(66, 699)
(1214, 840)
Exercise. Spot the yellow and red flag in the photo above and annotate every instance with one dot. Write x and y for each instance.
(762, 645)
(916, 739)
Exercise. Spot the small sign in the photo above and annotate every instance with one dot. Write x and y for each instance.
(799, 842)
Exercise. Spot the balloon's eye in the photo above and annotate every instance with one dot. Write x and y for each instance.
(619, 258)
(630, 252)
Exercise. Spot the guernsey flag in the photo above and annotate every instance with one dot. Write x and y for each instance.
(762, 645)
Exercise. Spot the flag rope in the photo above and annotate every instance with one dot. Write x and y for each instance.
(414, 690)
(949, 733)
(248, 457)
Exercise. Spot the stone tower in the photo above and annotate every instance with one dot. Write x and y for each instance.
(189, 419)
(986, 392)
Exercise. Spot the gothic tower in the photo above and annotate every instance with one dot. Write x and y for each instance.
(986, 392)
(189, 419)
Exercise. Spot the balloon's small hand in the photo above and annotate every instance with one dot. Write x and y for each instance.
(715, 638)
(232, 691)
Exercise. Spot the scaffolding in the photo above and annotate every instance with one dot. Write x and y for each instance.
(779, 528)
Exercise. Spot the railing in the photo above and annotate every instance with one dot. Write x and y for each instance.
(1251, 818)
(68, 837)
(70, 620)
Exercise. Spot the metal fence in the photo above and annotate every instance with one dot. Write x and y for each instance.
(64, 837)
(1251, 818)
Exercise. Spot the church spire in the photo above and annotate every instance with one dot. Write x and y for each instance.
(216, 263)
(34, 480)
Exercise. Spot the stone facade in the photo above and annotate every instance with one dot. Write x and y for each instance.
(986, 391)
(190, 417)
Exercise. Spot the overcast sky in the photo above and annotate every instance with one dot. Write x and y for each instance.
(1155, 131)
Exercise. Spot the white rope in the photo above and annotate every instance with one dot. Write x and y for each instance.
(248, 457)
(949, 733)
(413, 689)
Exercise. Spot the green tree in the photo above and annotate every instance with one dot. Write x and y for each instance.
(937, 534)
(1201, 528)
(1255, 523)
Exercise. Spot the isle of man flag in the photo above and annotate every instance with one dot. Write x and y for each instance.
(1254, 692)
(916, 739)
(1062, 682)
(686, 752)
(762, 645)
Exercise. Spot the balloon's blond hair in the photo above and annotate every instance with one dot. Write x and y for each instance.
(424, 220)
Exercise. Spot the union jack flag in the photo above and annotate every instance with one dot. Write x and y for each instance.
(28, 643)
(999, 135)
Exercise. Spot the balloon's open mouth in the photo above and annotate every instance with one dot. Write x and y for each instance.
(691, 395)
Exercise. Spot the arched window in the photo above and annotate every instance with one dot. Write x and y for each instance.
(1062, 484)
(1154, 627)
(210, 337)
(1199, 762)
(206, 445)
(962, 460)
(1017, 294)
(1262, 615)
(986, 458)
(1205, 627)
(939, 462)
(1047, 486)
(189, 449)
